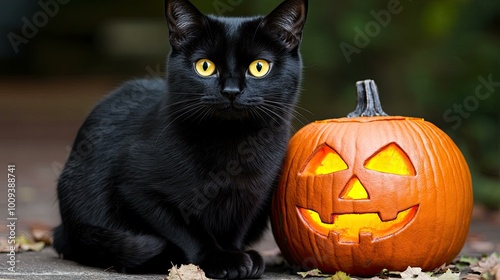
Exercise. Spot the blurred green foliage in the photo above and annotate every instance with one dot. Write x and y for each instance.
(428, 57)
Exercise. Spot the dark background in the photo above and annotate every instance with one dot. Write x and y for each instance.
(429, 58)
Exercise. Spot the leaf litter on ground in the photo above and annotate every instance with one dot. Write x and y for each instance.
(38, 237)
(186, 272)
(313, 273)
(21, 243)
(487, 268)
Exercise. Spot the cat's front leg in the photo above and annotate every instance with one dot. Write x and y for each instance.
(218, 260)
(226, 258)
(222, 264)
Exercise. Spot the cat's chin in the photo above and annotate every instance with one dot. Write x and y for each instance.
(233, 112)
(237, 110)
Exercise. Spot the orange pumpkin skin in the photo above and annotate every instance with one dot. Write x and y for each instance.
(433, 198)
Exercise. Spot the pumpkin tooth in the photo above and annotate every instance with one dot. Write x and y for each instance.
(388, 215)
(334, 236)
(365, 236)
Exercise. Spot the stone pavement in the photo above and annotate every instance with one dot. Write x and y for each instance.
(47, 266)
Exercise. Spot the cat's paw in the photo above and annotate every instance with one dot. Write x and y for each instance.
(258, 263)
(233, 265)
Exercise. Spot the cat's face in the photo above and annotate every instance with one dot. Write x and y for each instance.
(234, 68)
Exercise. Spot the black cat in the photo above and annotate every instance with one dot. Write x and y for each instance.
(182, 170)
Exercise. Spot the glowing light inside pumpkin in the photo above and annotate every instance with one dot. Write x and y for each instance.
(324, 161)
(354, 190)
(391, 159)
(349, 226)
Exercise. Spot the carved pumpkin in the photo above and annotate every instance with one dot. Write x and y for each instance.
(372, 191)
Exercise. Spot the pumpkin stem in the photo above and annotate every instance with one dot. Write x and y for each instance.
(368, 101)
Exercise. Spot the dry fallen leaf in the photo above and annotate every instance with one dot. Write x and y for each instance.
(486, 264)
(488, 268)
(411, 272)
(441, 273)
(39, 236)
(442, 269)
(449, 275)
(340, 276)
(26, 244)
(36, 246)
(496, 272)
(313, 273)
(186, 272)
(41, 233)
(22, 243)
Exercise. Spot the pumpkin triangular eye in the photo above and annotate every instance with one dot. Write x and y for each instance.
(391, 159)
(325, 160)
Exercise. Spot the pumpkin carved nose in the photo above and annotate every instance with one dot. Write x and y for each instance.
(354, 190)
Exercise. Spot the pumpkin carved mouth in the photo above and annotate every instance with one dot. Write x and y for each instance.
(349, 228)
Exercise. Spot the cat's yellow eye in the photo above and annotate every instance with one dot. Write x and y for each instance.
(259, 68)
(205, 67)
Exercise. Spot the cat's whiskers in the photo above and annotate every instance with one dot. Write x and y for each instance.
(303, 120)
(206, 112)
(275, 116)
(273, 106)
(189, 98)
(256, 114)
(192, 109)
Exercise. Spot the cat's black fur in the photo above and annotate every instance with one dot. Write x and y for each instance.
(181, 170)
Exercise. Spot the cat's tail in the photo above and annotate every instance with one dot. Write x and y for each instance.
(101, 247)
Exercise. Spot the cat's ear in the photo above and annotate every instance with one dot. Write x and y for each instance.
(184, 21)
(287, 22)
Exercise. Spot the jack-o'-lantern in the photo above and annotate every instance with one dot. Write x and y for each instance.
(372, 192)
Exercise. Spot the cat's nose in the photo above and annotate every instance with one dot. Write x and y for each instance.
(231, 92)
